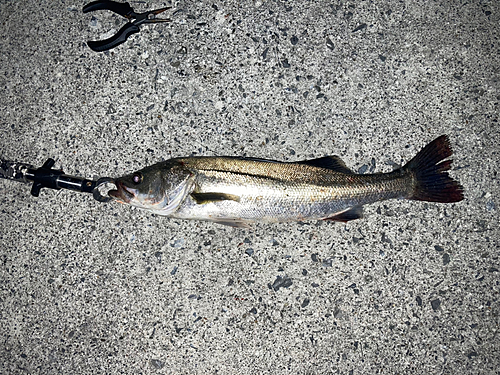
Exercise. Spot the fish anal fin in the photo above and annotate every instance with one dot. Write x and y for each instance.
(235, 223)
(203, 198)
(345, 216)
(333, 163)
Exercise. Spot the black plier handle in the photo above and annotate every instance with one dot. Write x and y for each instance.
(124, 10)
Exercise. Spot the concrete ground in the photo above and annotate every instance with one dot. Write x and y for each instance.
(95, 288)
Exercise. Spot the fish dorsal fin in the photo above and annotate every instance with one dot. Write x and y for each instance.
(203, 198)
(353, 213)
(333, 163)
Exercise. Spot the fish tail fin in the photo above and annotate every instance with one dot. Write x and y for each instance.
(433, 184)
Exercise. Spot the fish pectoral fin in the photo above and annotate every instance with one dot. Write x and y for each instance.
(203, 198)
(353, 213)
(235, 223)
(333, 163)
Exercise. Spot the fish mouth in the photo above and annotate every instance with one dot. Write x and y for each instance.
(121, 193)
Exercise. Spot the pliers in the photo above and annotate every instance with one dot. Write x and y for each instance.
(132, 27)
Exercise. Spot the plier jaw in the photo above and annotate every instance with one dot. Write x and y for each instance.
(132, 27)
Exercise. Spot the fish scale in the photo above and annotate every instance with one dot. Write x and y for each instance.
(284, 197)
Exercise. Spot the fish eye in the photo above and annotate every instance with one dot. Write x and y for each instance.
(137, 178)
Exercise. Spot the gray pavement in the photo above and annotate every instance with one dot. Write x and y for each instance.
(93, 288)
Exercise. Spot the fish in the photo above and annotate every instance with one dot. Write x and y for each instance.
(240, 191)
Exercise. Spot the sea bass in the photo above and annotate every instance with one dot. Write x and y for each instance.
(239, 191)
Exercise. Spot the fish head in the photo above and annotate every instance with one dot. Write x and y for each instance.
(160, 188)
